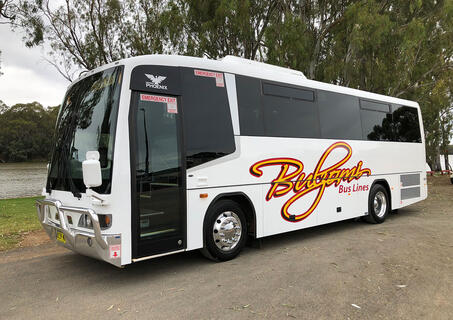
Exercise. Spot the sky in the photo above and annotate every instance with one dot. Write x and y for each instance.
(27, 76)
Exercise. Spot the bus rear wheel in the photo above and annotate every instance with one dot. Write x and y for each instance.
(378, 204)
(225, 231)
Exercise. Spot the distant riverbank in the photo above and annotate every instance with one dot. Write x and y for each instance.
(23, 179)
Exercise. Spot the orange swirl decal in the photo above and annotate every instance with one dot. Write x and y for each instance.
(292, 177)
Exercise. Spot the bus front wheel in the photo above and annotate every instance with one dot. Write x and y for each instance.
(225, 231)
(378, 204)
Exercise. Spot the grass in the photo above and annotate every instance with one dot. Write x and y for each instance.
(17, 217)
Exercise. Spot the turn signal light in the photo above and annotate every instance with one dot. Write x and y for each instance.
(105, 220)
(203, 195)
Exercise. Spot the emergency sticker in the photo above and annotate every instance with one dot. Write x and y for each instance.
(172, 106)
(211, 74)
(115, 251)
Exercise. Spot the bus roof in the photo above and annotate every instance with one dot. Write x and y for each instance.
(240, 66)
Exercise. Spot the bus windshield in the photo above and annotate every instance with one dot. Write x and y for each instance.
(86, 122)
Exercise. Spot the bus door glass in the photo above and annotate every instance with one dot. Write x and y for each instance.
(158, 174)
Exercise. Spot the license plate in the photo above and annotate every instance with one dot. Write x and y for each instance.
(60, 237)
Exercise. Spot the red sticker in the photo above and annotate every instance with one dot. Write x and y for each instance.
(115, 251)
(211, 74)
(172, 106)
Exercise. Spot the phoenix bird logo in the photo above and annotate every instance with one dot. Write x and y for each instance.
(156, 80)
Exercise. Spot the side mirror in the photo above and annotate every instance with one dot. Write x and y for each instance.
(91, 167)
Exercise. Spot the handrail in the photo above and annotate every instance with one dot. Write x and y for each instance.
(41, 204)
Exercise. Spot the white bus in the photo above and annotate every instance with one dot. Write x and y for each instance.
(160, 154)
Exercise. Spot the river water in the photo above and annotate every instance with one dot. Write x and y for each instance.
(25, 179)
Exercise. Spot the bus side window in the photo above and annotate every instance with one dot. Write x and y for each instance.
(339, 116)
(249, 104)
(376, 121)
(276, 110)
(289, 112)
(406, 124)
(207, 119)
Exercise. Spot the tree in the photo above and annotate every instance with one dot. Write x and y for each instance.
(26, 132)
(445, 105)
(86, 34)
(5, 17)
(3, 107)
(393, 47)
(215, 29)
(6, 9)
(302, 36)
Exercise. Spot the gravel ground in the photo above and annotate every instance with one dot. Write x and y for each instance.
(402, 269)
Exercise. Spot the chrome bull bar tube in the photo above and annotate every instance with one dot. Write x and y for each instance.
(69, 234)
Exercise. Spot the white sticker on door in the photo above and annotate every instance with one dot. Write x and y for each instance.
(172, 106)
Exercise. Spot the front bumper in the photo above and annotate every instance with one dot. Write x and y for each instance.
(93, 244)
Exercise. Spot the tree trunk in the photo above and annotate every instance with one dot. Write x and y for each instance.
(436, 164)
(447, 164)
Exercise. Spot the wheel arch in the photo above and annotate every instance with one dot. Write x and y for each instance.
(385, 184)
(244, 202)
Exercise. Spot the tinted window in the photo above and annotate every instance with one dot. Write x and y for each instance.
(339, 116)
(406, 124)
(376, 126)
(157, 140)
(290, 117)
(268, 109)
(276, 110)
(249, 103)
(207, 120)
(288, 92)
(376, 121)
(87, 122)
(374, 106)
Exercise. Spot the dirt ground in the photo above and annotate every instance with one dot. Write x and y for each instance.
(402, 269)
(34, 238)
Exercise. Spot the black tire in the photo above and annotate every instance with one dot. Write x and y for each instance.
(451, 180)
(224, 209)
(380, 212)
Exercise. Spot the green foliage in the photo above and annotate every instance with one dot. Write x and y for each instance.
(3, 107)
(26, 131)
(219, 28)
(17, 216)
(393, 47)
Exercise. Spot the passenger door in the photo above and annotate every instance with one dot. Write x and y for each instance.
(158, 218)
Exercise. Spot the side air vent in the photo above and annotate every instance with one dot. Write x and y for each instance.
(408, 180)
(410, 193)
(410, 186)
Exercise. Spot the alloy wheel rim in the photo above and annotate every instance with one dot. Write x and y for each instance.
(227, 231)
(380, 204)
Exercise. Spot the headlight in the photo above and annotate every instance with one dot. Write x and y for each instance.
(105, 221)
(85, 221)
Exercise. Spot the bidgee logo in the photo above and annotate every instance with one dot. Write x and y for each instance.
(292, 177)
